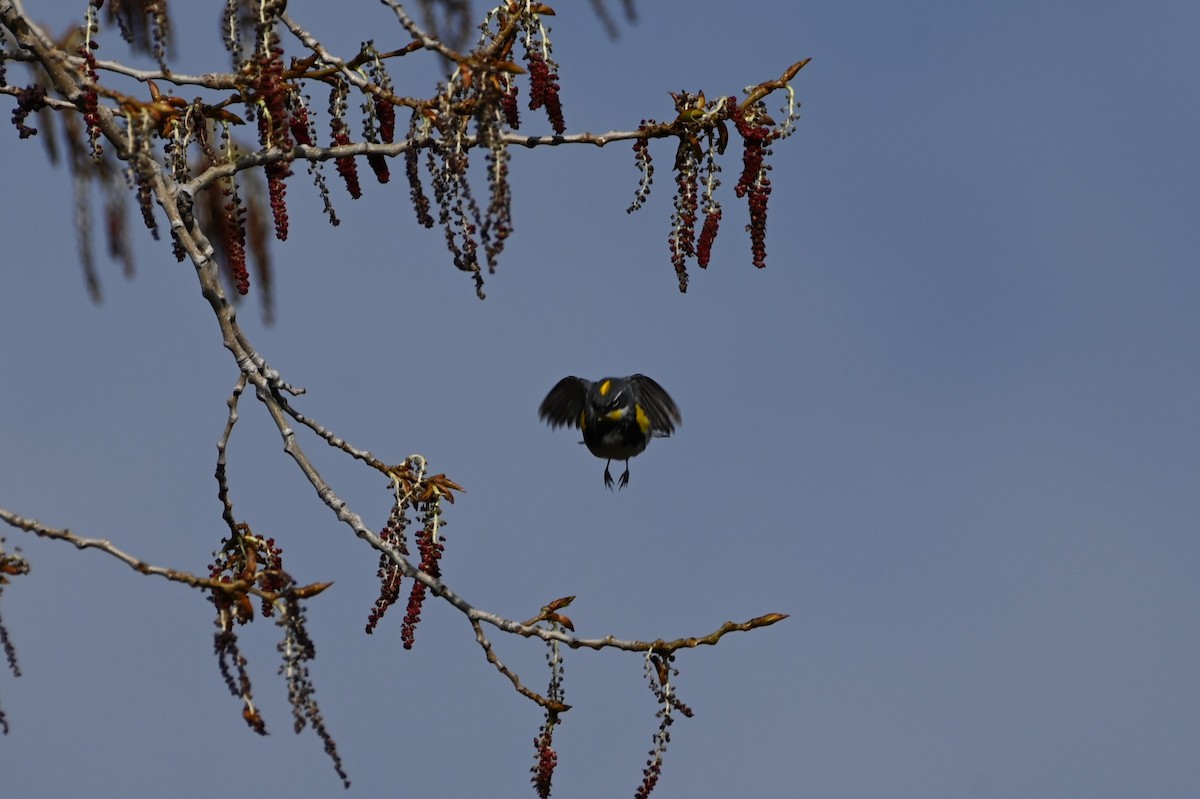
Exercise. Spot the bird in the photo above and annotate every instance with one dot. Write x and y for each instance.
(617, 416)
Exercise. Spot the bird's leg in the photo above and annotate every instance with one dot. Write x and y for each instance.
(625, 476)
(608, 481)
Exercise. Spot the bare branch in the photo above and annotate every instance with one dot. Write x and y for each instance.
(138, 565)
(427, 41)
(222, 445)
(163, 144)
(352, 76)
(492, 658)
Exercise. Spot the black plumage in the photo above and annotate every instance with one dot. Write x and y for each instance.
(617, 415)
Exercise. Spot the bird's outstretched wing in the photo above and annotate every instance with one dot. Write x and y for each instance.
(565, 402)
(658, 405)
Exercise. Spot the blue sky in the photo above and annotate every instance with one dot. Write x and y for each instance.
(951, 429)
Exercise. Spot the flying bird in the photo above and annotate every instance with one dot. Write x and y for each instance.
(617, 415)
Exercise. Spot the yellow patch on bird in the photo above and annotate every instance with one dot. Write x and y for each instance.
(616, 415)
(642, 419)
(583, 420)
(604, 388)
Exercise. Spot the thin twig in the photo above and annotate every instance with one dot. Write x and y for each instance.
(222, 445)
(763, 89)
(492, 658)
(427, 41)
(331, 439)
(140, 566)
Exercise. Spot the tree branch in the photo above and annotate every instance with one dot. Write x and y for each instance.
(474, 109)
